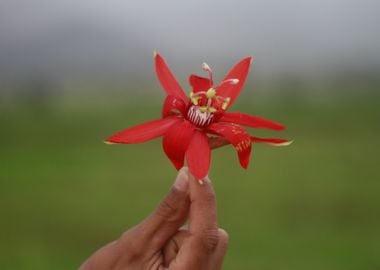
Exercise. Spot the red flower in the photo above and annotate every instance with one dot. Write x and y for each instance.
(192, 126)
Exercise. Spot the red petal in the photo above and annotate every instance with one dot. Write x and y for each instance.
(144, 132)
(173, 105)
(199, 83)
(250, 121)
(216, 142)
(240, 72)
(198, 155)
(176, 141)
(237, 136)
(167, 79)
(271, 141)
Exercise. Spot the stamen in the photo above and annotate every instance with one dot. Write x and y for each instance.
(210, 93)
(194, 98)
(230, 81)
(203, 109)
(207, 68)
(209, 102)
(225, 103)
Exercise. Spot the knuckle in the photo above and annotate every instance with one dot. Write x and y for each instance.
(127, 242)
(209, 240)
(224, 238)
(168, 207)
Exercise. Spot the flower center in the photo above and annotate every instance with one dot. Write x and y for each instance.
(206, 103)
(209, 101)
(198, 117)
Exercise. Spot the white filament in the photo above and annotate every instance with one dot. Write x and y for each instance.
(198, 118)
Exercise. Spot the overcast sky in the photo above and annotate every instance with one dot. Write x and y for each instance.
(115, 36)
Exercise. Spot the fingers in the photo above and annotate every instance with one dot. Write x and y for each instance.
(203, 225)
(173, 246)
(164, 222)
(203, 208)
(204, 236)
(176, 257)
(217, 257)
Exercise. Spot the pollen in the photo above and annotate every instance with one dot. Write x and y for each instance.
(194, 98)
(203, 109)
(206, 67)
(211, 93)
(225, 103)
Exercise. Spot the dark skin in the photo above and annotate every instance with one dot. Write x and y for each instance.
(161, 242)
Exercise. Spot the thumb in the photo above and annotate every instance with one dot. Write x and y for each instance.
(170, 214)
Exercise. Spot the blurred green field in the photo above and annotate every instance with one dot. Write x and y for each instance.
(312, 205)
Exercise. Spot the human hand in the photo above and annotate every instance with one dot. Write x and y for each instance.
(160, 243)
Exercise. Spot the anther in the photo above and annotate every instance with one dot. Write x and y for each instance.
(206, 67)
(225, 103)
(203, 109)
(194, 98)
(234, 81)
(210, 93)
(230, 81)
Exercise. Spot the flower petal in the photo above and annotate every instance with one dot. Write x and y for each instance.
(237, 136)
(271, 141)
(198, 155)
(240, 72)
(199, 83)
(176, 141)
(216, 142)
(143, 132)
(250, 121)
(173, 105)
(167, 79)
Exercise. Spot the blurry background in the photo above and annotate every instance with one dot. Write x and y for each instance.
(74, 72)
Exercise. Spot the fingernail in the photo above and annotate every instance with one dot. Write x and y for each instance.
(205, 179)
(182, 180)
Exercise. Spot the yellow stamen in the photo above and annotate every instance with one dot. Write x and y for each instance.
(203, 109)
(225, 103)
(210, 93)
(194, 98)
(194, 101)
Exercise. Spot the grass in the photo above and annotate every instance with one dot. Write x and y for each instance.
(313, 205)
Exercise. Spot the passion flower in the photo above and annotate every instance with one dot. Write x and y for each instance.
(193, 125)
